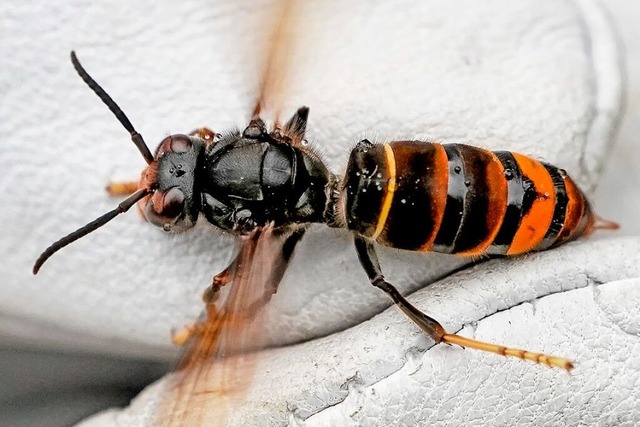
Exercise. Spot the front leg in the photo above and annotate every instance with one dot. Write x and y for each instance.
(369, 260)
(122, 188)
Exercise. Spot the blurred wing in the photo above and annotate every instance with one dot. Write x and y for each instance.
(277, 61)
(219, 361)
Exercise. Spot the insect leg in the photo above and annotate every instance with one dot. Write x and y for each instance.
(369, 260)
(279, 266)
(210, 294)
(122, 188)
(277, 263)
(219, 280)
(234, 269)
(370, 263)
(277, 252)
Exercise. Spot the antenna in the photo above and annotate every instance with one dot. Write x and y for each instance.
(93, 225)
(109, 102)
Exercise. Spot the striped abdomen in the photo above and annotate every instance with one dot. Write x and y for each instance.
(456, 198)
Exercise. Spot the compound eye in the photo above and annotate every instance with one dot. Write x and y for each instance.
(172, 203)
(180, 144)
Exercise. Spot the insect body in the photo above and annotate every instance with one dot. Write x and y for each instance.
(269, 186)
(460, 199)
(239, 182)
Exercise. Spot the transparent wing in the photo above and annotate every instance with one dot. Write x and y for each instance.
(220, 350)
(220, 355)
(277, 61)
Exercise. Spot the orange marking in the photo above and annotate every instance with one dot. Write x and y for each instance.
(439, 181)
(536, 222)
(391, 188)
(205, 134)
(498, 197)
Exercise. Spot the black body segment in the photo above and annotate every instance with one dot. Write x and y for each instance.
(365, 187)
(515, 197)
(417, 207)
(559, 210)
(578, 216)
(256, 178)
(485, 200)
(455, 204)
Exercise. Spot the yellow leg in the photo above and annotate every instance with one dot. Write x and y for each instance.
(552, 361)
(122, 188)
(180, 337)
(212, 322)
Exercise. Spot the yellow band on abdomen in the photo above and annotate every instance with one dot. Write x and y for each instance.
(391, 188)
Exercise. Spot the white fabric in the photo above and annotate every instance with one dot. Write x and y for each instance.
(579, 301)
(538, 78)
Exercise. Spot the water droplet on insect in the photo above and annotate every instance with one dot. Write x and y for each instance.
(357, 173)
(467, 183)
(166, 227)
(403, 201)
(304, 142)
(379, 175)
(364, 190)
(457, 169)
(508, 173)
(379, 187)
(171, 170)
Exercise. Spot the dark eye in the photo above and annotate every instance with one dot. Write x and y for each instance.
(180, 144)
(172, 203)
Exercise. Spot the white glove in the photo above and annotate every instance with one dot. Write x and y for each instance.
(541, 79)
